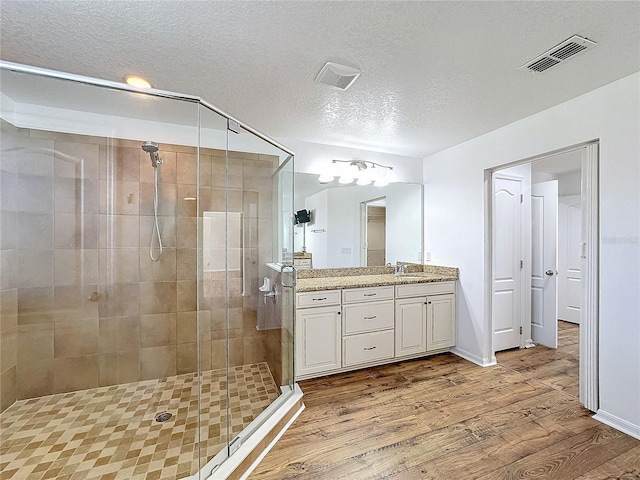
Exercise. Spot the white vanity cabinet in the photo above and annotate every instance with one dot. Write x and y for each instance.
(318, 343)
(367, 325)
(425, 317)
(341, 330)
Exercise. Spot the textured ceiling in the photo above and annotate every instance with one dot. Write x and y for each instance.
(434, 73)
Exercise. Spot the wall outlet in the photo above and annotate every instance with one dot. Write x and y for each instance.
(346, 251)
(427, 257)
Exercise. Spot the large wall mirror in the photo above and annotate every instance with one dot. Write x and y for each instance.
(357, 226)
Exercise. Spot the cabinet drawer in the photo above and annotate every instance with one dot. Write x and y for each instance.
(367, 347)
(318, 299)
(353, 295)
(420, 289)
(367, 317)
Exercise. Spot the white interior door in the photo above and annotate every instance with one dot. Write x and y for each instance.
(569, 261)
(507, 261)
(544, 225)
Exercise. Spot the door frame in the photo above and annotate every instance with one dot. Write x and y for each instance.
(589, 319)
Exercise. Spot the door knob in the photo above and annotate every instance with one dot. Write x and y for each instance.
(549, 272)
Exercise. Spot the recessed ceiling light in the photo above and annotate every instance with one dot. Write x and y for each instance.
(137, 81)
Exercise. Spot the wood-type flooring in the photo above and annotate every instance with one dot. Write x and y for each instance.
(444, 418)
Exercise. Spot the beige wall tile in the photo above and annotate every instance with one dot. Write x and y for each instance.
(75, 302)
(119, 367)
(158, 330)
(120, 265)
(157, 297)
(118, 334)
(164, 270)
(74, 338)
(205, 170)
(75, 266)
(76, 195)
(34, 378)
(35, 154)
(187, 264)
(8, 388)
(157, 362)
(254, 350)
(34, 193)
(35, 231)
(75, 373)
(73, 230)
(187, 168)
(185, 206)
(218, 354)
(167, 231)
(119, 231)
(35, 268)
(9, 229)
(187, 358)
(8, 348)
(205, 356)
(187, 295)
(236, 351)
(186, 327)
(119, 300)
(78, 158)
(8, 309)
(126, 163)
(9, 267)
(35, 305)
(187, 230)
(120, 198)
(166, 199)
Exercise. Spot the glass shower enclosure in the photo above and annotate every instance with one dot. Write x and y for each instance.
(137, 228)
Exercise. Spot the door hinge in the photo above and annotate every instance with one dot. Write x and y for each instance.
(521, 263)
(520, 330)
(521, 198)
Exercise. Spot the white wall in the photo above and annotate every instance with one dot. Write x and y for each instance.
(455, 190)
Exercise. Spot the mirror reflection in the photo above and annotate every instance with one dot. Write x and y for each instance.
(357, 226)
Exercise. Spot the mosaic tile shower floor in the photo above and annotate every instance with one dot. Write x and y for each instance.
(111, 432)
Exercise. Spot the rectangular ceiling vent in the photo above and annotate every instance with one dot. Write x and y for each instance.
(337, 76)
(559, 53)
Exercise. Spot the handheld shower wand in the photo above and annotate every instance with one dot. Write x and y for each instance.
(156, 160)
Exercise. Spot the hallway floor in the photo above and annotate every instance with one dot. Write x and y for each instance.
(110, 433)
(556, 368)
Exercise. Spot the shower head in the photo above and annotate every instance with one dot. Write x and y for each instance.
(152, 149)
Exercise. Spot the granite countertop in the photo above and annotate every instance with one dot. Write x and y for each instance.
(442, 274)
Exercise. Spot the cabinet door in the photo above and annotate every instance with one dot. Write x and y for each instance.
(411, 326)
(441, 322)
(318, 340)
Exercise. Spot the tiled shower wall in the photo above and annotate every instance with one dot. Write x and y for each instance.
(82, 303)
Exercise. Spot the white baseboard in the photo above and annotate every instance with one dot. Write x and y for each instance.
(618, 423)
(483, 362)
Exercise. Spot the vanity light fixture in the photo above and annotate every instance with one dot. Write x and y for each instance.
(363, 172)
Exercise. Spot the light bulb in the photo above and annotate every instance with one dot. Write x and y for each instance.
(345, 179)
(325, 177)
(137, 81)
(390, 177)
(363, 180)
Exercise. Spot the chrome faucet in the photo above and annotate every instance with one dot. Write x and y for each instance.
(399, 269)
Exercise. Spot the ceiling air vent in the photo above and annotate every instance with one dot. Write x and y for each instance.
(337, 76)
(559, 53)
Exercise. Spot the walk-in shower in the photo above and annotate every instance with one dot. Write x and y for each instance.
(156, 160)
(128, 293)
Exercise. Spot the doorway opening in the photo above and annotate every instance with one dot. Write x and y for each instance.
(374, 225)
(542, 261)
